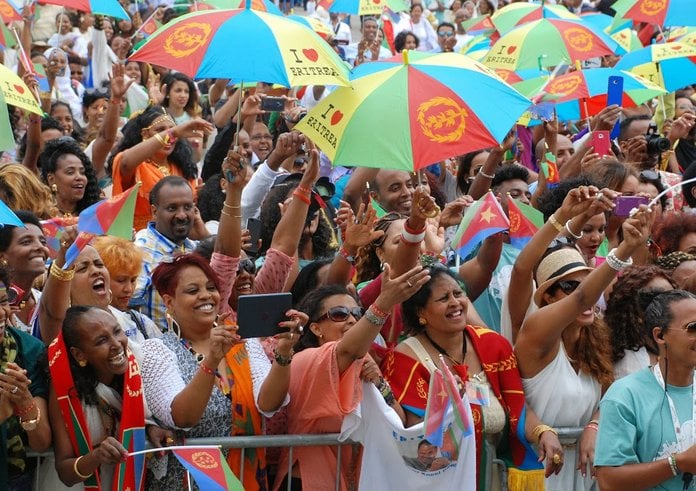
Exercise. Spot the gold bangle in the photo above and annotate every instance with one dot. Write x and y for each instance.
(226, 205)
(228, 215)
(77, 472)
(160, 139)
(556, 224)
(538, 430)
(62, 274)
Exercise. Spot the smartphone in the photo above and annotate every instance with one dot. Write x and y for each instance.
(625, 204)
(273, 104)
(258, 315)
(254, 228)
(601, 143)
(615, 96)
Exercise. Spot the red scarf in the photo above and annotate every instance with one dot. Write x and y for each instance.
(129, 474)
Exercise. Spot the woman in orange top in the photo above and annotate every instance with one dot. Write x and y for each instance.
(154, 147)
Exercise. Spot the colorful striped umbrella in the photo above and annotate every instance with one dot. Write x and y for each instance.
(314, 24)
(580, 94)
(261, 5)
(16, 91)
(244, 45)
(548, 42)
(660, 12)
(367, 7)
(412, 110)
(8, 12)
(516, 14)
(669, 65)
(110, 8)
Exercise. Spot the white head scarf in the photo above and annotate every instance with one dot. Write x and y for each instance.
(63, 89)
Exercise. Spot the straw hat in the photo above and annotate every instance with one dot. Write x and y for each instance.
(555, 267)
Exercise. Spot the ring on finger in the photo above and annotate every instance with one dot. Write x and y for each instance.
(410, 285)
(169, 440)
(556, 459)
(14, 390)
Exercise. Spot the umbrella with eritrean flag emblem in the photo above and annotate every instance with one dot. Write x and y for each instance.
(262, 5)
(367, 7)
(548, 42)
(659, 12)
(670, 65)
(8, 12)
(104, 7)
(516, 14)
(412, 110)
(244, 45)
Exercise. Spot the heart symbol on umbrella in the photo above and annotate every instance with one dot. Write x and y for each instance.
(511, 49)
(336, 118)
(311, 54)
(18, 88)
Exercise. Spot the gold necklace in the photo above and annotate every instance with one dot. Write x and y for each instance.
(163, 168)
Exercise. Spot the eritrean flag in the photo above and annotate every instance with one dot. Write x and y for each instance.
(550, 169)
(7, 39)
(107, 217)
(53, 230)
(483, 219)
(525, 220)
(208, 468)
(149, 26)
(462, 411)
(435, 411)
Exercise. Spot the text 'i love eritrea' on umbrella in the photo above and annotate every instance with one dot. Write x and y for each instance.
(244, 45)
(412, 110)
(669, 65)
(481, 220)
(112, 216)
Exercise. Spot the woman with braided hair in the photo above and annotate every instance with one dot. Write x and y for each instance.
(153, 147)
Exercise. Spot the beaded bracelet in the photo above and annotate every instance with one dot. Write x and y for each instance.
(345, 255)
(615, 263)
(24, 412)
(282, 360)
(672, 460)
(206, 369)
(378, 311)
(374, 316)
(304, 189)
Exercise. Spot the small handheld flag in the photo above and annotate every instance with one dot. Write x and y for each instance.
(525, 220)
(462, 414)
(208, 468)
(436, 409)
(550, 169)
(483, 219)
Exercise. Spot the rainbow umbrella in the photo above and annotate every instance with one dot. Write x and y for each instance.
(16, 92)
(244, 45)
(669, 65)
(516, 14)
(7, 39)
(261, 5)
(548, 42)
(627, 39)
(683, 34)
(9, 12)
(110, 8)
(367, 7)
(478, 25)
(583, 93)
(660, 12)
(412, 110)
(314, 24)
(605, 23)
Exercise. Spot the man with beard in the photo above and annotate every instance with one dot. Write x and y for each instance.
(174, 214)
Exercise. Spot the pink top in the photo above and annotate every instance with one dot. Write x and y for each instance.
(319, 399)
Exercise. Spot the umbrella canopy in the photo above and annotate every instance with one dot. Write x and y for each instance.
(516, 14)
(8, 12)
(244, 45)
(580, 94)
(548, 42)
(16, 91)
(110, 8)
(262, 5)
(314, 24)
(660, 12)
(412, 110)
(367, 7)
(669, 65)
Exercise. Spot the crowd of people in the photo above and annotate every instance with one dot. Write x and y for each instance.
(590, 325)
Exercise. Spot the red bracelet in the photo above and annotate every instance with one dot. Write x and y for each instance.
(413, 231)
(206, 369)
(345, 255)
(302, 197)
(304, 189)
(23, 412)
(378, 312)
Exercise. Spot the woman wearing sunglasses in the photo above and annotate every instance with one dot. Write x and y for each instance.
(330, 360)
(563, 352)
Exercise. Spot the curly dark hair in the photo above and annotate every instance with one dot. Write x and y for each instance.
(552, 199)
(400, 40)
(508, 173)
(48, 163)
(211, 199)
(367, 264)
(191, 107)
(626, 310)
(85, 377)
(181, 156)
(322, 243)
(313, 305)
(672, 228)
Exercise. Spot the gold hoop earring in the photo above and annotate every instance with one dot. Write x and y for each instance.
(422, 321)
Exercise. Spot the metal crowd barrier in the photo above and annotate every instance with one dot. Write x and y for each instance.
(567, 436)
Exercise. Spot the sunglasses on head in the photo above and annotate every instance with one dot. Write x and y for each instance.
(567, 286)
(340, 314)
(649, 175)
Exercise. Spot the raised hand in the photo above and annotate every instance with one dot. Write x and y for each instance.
(401, 288)
(119, 86)
(360, 231)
